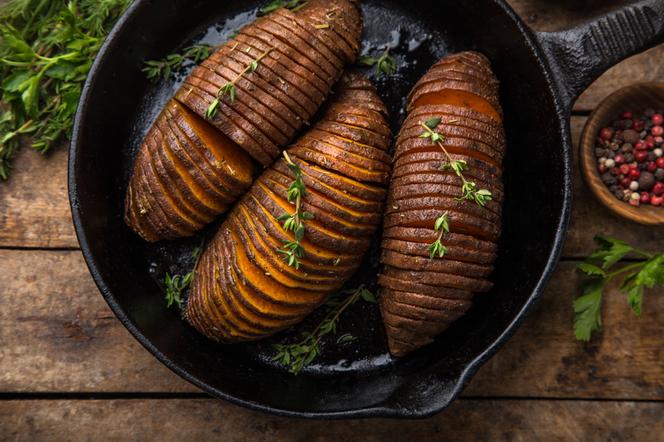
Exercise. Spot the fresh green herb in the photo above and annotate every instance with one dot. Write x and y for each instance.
(646, 273)
(442, 226)
(175, 288)
(293, 5)
(158, 69)
(46, 50)
(228, 90)
(293, 250)
(469, 189)
(384, 64)
(298, 355)
(177, 285)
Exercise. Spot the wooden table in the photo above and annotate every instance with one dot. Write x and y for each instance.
(69, 369)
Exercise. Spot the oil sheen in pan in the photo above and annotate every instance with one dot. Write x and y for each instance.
(414, 48)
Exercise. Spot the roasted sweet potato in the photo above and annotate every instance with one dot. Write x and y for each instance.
(243, 288)
(422, 295)
(195, 163)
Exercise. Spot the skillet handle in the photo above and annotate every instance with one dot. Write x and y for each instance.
(578, 56)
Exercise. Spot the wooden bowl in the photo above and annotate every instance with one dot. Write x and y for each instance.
(636, 98)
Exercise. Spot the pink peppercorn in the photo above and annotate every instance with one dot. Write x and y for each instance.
(640, 145)
(625, 182)
(641, 156)
(658, 189)
(660, 162)
(645, 198)
(634, 174)
(651, 166)
(657, 200)
(657, 131)
(624, 169)
(657, 119)
(606, 133)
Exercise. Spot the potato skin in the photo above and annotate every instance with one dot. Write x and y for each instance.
(421, 296)
(190, 168)
(256, 293)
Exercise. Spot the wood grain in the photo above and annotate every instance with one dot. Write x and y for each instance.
(205, 419)
(34, 209)
(59, 336)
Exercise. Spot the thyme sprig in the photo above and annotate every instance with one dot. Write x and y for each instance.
(442, 226)
(228, 89)
(157, 69)
(177, 285)
(293, 250)
(469, 189)
(293, 5)
(300, 354)
(385, 64)
(46, 50)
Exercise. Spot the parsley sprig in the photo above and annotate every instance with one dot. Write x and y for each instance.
(469, 189)
(385, 64)
(293, 5)
(300, 354)
(155, 70)
(442, 226)
(228, 89)
(46, 50)
(600, 267)
(293, 250)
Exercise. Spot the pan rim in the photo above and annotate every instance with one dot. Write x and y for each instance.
(388, 409)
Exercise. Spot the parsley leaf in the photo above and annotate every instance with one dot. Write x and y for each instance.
(587, 309)
(637, 276)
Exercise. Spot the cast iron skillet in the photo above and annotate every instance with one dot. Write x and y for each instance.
(540, 75)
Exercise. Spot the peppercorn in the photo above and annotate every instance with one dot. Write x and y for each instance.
(628, 136)
(630, 157)
(646, 181)
(658, 188)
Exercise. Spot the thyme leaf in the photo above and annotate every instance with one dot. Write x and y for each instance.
(293, 250)
(469, 189)
(228, 90)
(385, 64)
(156, 70)
(298, 355)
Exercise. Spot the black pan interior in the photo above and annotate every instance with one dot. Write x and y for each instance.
(120, 104)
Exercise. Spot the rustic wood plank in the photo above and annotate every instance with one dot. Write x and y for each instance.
(205, 419)
(37, 210)
(34, 209)
(542, 15)
(59, 336)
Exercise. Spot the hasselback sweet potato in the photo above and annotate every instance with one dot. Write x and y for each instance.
(245, 287)
(438, 246)
(235, 112)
